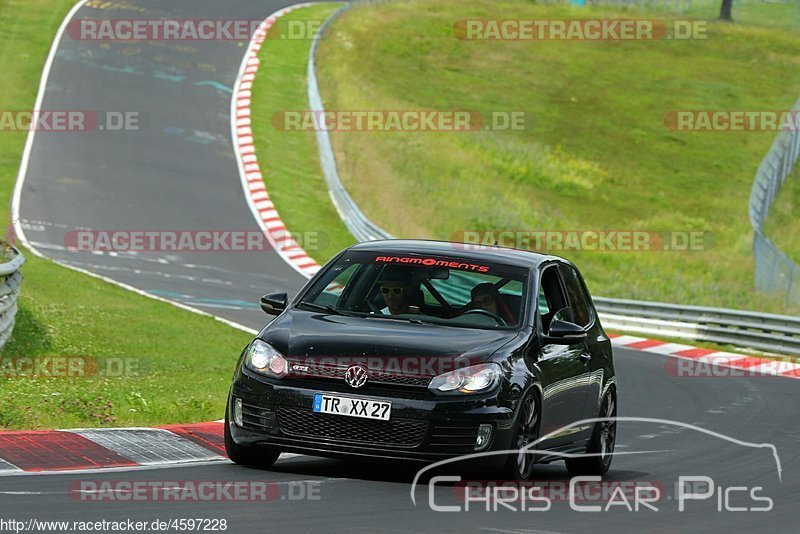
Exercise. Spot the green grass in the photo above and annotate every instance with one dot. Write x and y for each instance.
(779, 15)
(289, 160)
(185, 360)
(598, 155)
(766, 13)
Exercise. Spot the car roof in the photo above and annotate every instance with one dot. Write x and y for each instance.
(501, 255)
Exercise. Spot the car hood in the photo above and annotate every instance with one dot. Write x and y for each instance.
(300, 334)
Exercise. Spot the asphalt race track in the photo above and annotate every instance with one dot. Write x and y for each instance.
(358, 497)
(179, 172)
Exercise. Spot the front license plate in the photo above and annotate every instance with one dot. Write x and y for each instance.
(368, 409)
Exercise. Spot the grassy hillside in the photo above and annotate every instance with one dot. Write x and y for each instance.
(289, 160)
(596, 155)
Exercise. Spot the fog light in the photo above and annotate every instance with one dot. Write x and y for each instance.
(484, 437)
(237, 412)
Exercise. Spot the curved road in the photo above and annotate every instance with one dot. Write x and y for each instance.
(180, 173)
(177, 172)
(356, 497)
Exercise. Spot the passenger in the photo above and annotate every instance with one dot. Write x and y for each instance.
(486, 297)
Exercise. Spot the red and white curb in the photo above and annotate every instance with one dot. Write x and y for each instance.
(39, 451)
(701, 362)
(255, 190)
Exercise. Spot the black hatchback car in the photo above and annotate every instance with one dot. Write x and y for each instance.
(425, 350)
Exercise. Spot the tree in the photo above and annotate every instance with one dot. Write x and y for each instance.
(725, 10)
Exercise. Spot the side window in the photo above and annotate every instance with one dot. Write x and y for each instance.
(552, 300)
(544, 309)
(578, 299)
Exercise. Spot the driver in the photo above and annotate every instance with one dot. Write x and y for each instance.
(396, 287)
(486, 297)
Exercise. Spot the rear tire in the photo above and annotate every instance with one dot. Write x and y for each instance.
(252, 456)
(519, 465)
(601, 446)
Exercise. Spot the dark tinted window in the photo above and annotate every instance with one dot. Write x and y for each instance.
(551, 300)
(446, 290)
(578, 299)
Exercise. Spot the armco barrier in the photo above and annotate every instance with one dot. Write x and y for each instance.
(362, 228)
(773, 333)
(10, 279)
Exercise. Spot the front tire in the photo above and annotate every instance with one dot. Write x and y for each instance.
(252, 456)
(519, 465)
(601, 446)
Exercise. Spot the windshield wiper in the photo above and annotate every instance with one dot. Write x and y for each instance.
(326, 307)
(394, 318)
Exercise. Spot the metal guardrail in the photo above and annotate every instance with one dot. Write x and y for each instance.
(775, 271)
(668, 6)
(10, 280)
(362, 228)
(764, 331)
(772, 333)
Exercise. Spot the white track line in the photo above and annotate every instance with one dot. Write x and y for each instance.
(26, 153)
(23, 172)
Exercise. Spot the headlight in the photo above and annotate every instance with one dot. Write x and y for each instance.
(473, 379)
(262, 358)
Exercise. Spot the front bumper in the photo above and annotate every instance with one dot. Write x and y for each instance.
(423, 427)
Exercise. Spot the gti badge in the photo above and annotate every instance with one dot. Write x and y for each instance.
(356, 376)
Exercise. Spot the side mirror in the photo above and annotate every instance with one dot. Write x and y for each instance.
(274, 303)
(565, 333)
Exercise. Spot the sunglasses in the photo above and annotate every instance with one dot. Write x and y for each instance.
(393, 290)
(486, 301)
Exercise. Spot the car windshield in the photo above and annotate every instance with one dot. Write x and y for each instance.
(446, 290)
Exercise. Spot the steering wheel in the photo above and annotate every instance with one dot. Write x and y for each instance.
(478, 311)
(375, 308)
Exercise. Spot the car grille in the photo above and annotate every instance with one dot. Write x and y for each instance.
(398, 433)
(402, 380)
(335, 372)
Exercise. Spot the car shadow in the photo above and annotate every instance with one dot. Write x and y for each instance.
(404, 472)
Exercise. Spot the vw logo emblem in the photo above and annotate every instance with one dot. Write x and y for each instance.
(356, 376)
